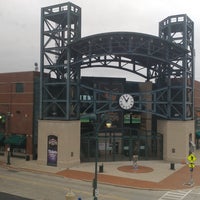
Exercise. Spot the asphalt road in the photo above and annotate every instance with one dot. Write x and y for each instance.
(26, 185)
(5, 196)
(39, 186)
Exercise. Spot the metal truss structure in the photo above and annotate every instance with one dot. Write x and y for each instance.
(179, 29)
(60, 26)
(166, 61)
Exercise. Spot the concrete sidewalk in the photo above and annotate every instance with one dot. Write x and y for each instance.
(156, 175)
(160, 178)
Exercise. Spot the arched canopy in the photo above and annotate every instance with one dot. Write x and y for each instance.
(126, 50)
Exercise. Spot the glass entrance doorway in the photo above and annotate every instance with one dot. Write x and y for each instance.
(118, 145)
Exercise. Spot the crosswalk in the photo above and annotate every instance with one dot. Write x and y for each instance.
(175, 195)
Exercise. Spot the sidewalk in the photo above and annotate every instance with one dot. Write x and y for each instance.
(155, 175)
(160, 178)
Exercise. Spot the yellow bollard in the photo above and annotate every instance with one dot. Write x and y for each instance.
(70, 195)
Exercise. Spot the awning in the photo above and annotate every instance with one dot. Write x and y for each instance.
(198, 134)
(17, 140)
(85, 119)
(2, 136)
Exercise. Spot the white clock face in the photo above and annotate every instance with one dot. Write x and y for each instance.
(126, 101)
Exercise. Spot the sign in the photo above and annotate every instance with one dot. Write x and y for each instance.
(191, 158)
(52, 151)
(191, 165)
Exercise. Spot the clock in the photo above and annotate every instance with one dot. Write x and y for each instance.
(126, 101)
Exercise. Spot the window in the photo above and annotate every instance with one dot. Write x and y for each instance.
(19, 87)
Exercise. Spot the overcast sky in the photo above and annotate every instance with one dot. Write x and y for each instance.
(20, 24)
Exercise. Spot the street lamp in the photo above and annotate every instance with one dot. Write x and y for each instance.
(108, 124)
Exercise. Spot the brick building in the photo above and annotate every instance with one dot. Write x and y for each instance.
(196, 95)
(197, 111)
(19, 111)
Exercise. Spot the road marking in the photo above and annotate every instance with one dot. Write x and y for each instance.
(175, 195)
(59, 187)
(196, 193)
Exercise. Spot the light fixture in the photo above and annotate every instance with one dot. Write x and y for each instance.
(108, 124)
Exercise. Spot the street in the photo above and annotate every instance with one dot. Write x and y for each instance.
(37, 186)
(47, 187)
(6, 196)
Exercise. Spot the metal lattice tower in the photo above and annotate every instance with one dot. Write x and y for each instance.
(166, 60)
(60, 25)
(179, 29)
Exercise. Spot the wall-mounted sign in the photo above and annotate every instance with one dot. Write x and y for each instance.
(52, 151)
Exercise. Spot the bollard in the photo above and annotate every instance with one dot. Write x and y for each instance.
(8, 156)
(70, 195)
(101, 168)
(172, 166)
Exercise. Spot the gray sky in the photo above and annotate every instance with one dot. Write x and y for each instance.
(20, 24)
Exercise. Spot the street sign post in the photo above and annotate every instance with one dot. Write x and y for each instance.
(191, 158)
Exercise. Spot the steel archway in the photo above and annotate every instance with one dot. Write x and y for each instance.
(166, 61)
(145, 55)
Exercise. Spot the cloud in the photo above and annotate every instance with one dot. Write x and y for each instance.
(20, 24)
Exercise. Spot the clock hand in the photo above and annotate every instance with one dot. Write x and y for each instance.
(126, 99)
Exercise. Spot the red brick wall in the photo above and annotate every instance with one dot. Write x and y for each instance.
(19, 105)
(197, 95)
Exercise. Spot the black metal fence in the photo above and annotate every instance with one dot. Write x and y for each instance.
(122, 144)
